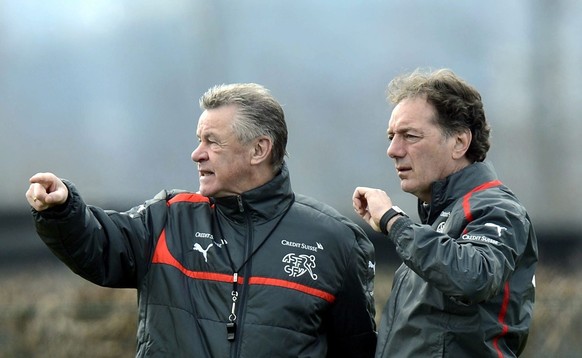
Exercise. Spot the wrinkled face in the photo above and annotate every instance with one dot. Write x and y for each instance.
(223, 162)
(421, 152)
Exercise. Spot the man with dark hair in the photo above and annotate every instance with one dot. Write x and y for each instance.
(244, 267)
(466, 284)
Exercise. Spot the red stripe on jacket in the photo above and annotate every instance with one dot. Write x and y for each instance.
(162, 255)
(188, 197)
(467, 206)
(267, 281)
(501, 320)
(506, 291)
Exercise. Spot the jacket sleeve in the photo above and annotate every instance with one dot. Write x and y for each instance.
(352, 322)
(106, 247)
(470, 265)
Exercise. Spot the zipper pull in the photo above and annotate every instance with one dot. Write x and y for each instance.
(241, 207)
(235, 283)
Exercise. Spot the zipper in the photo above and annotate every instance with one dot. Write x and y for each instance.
(238, 310)
(246, 272)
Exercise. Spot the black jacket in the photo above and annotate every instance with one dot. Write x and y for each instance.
(466, 287)
(305, 273)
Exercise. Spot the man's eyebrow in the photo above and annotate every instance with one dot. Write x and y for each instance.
(400, 130)
(206, 134)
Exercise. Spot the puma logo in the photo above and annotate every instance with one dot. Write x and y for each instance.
(500, 229)
(204, 252)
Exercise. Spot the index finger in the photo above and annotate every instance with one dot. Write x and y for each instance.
(360, 192)
(42, 178)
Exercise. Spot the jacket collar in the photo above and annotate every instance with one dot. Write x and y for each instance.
(455, 186)
(263, 203)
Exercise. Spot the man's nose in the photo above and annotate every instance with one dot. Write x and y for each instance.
(395, 149)
(198, 154)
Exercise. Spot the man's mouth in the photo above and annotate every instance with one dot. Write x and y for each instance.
(403, 169)
(205, 173)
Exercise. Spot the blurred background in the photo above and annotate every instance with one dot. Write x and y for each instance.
(105, 93)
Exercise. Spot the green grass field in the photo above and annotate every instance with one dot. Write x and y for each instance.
(54, 313)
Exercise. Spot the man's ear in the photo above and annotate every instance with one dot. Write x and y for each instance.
(262, 149)
(462, 143)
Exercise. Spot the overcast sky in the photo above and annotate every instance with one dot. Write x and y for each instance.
(105, 93)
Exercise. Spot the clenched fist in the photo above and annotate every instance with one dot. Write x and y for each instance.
(371, 204)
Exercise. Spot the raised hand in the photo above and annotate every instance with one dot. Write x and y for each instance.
(371, 204)
(46, 190)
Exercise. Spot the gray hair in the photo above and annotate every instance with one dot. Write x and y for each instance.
(258, 114)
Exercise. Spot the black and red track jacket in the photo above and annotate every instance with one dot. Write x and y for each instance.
(304, 290)
(466, 285)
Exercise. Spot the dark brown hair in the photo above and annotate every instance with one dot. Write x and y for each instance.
(457, 103)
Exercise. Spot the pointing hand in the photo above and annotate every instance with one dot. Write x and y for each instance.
(46, 190)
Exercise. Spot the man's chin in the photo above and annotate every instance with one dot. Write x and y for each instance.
(205, 191)
(406, 187)
(212, 193)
